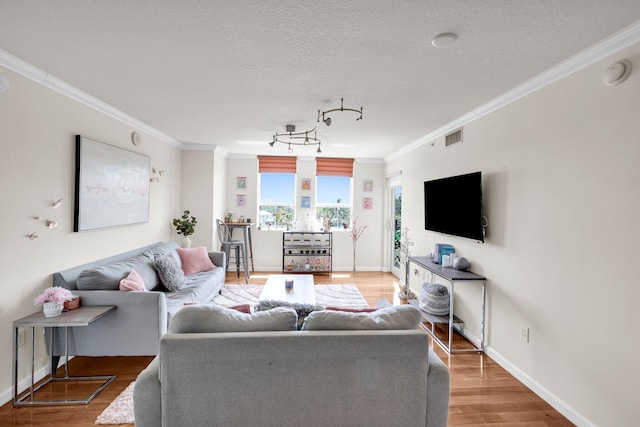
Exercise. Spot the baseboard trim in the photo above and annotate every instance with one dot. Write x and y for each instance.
(558, 404)
(6, 396)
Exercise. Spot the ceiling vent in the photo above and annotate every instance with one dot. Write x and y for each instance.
(453, 137)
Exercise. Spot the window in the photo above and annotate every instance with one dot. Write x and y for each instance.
(333, 191)
(333, 200)
(277, 192)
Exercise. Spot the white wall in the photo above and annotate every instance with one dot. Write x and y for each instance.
(37, 167)
(197, 194)
(560, 174)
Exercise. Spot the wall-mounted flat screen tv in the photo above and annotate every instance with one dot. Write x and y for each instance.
(453, 206)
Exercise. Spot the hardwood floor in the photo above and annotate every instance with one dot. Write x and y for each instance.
(482, 393)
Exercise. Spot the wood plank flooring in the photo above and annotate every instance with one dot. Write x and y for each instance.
(482, 393)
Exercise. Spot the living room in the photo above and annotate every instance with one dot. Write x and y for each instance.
(559, 165)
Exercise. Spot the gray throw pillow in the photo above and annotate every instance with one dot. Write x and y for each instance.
(170, 273)
(208, 318)
(302, 310)
(390, 318)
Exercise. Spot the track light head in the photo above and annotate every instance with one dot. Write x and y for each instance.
(318, 150)
(326, 121)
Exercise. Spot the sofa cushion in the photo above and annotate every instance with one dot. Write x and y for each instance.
(170, 273)
(107, 277)
(133, 282)
(352, 310)
(392, 318)
(208, 318)
(195, 260)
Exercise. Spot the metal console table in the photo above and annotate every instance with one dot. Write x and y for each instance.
(82, 316)
(453, 276)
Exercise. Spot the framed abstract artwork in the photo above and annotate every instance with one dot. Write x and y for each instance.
(367, 203)
(111, 187)
(367, 185)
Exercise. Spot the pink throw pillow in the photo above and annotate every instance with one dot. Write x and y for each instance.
(133, 282)
(195, 260)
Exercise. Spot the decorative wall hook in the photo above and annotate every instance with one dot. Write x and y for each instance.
(157, 174)
(51, 223)
(56, 204)
(33, 236)
(37, 219)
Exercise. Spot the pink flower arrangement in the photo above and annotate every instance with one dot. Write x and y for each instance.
(356, 230)
(53, 294)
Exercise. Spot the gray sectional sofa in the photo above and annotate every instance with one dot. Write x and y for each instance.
(140, 318)
(217, 367)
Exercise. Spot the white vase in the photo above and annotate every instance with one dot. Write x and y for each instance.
(185, 242)
(52, 309)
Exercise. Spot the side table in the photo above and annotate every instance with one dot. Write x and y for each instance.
(82, 316)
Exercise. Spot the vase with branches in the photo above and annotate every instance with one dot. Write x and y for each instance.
(355, 231)
(405, 252)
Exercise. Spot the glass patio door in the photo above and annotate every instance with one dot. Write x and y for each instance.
(394, 186)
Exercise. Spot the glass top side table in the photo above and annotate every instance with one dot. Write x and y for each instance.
(82, 316)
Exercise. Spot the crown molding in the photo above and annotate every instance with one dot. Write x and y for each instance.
(591, 55)
(31, 72)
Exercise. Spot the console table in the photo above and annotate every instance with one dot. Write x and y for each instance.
(82, 316)
(453, 276)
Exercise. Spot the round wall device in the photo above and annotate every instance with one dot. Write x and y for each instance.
(4, 83)
(616, 73)
(136, 139)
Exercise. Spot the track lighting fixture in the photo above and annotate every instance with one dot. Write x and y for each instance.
(291, 137)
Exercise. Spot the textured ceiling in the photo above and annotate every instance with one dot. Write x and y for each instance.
(231, 73)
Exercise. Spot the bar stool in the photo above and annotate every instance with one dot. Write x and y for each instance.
(238, 246)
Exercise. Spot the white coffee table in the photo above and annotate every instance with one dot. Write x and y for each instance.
(303, 291)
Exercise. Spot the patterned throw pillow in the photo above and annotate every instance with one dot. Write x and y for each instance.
(170, 273)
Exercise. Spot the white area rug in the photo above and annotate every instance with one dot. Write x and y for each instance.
(120, 411)
(347, 296)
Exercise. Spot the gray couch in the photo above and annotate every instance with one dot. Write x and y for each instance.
(291, 378)
(140, 318)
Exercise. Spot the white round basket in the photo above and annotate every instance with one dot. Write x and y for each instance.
(434, 299)
(52, 309)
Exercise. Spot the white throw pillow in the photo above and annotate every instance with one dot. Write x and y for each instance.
(390, 318)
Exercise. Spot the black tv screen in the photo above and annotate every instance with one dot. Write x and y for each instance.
(453, 206)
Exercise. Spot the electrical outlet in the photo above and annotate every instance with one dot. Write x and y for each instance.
(21, 337)
(524, 333)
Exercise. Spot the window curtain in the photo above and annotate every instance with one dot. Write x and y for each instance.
(276, 164)
(334, 167)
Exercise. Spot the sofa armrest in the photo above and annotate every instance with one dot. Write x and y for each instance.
(147, 398)
(437, 392)
(134, 328)
(219, 259)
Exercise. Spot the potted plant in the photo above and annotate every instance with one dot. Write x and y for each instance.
(185, 225)
(52, 300)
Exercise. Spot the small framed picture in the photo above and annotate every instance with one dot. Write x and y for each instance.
(367, 203)
(367, 185)
(305, 202)
(241, 182)
(241, 200)
(305, 184)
